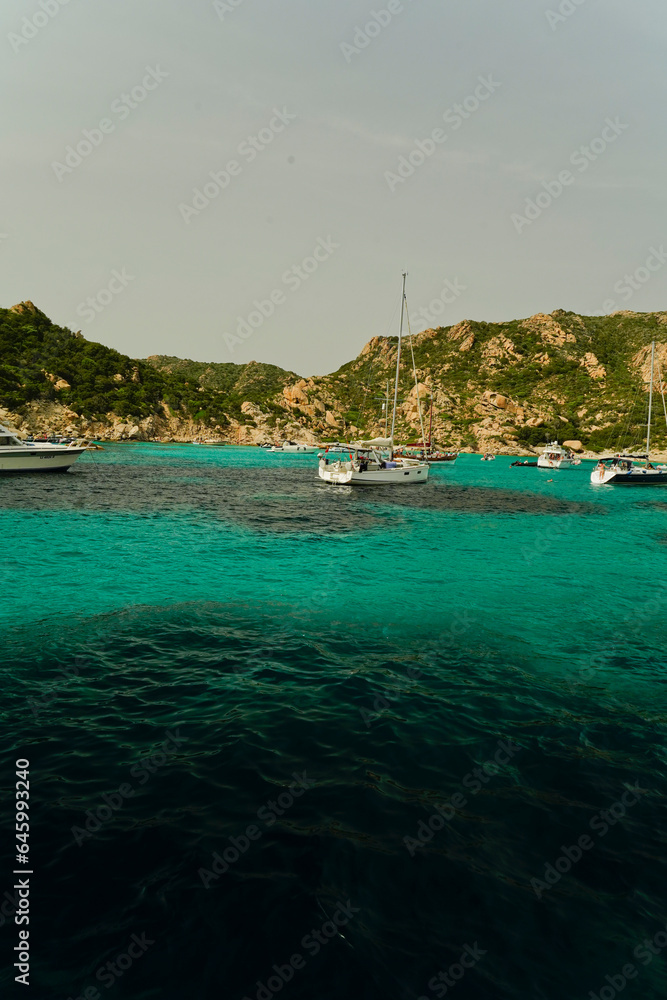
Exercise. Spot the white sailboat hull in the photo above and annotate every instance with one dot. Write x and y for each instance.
(344, 473)
(634, 477)
(38, 459)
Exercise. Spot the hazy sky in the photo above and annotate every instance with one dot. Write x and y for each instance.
(303, 109)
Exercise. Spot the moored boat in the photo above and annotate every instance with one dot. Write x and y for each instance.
(38, 456)
(294, 448)
(369, 463)
(374, 463)
(621, 469)
(555, 456)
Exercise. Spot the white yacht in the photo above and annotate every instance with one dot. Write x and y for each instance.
(622, 470)
(294, 448)
(372, 463)
(40, 456)
(555, 456)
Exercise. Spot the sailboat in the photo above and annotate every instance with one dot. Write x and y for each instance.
(373, 463)
(424, 449)
(621, 470)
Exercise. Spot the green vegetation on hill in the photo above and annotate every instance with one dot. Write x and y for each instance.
(517, 383)
(565, 375)
(101, 380)
(253, 382)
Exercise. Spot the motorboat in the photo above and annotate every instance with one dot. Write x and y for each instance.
(555, 456)
(622, 469)
(36, 456)
(294, 448)
(374, 462)
(488, 457)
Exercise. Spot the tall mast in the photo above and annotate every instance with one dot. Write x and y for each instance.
(650, 401)
(386, 410)
(398, 361)
(430, 426)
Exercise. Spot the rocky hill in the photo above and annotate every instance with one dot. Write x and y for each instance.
(505, 387)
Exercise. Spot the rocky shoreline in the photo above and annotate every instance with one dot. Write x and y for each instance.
(55, 419)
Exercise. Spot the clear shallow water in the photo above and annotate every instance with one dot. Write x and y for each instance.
(383, 644)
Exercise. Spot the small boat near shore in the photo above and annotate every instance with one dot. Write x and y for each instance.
(293, 448)
(414, 451)
(555, 456)
(488, 457)
(37, 456)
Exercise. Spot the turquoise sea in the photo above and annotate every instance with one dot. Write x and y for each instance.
(288, 739)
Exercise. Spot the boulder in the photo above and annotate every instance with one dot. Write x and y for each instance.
(295, 395)
(573, 445)
(593, 366)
